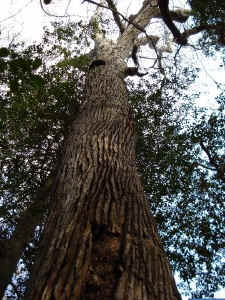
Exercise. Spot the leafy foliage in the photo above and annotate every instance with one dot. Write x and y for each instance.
(209, 16)
(183, 173)
(208, 9)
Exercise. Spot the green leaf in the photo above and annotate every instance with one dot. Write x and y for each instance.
(4, 52)
(76, 62)
(3, 65)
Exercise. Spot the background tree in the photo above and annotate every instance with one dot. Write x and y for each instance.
(35, 112)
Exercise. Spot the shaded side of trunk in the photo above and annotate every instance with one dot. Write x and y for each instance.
(100, 241)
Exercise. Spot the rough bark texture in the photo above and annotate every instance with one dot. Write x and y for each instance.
(12, 249)
(100, 241)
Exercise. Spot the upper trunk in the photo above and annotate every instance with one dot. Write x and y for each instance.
(100, 241)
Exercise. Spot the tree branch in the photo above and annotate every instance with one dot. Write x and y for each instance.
(195, 30)
(178, 15)
(220, 167)
(119, 14)
(116, 16)
(211, 160)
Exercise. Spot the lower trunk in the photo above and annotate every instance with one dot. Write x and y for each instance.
(100, 241)
(12, 249)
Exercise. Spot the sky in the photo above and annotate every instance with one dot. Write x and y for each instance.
(17, 19)
(24, 20)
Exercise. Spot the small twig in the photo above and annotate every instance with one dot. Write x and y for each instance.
(52, 15)
(116, 17)
(119, 14)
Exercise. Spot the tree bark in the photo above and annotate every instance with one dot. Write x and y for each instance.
(12, 249)
(100, 240)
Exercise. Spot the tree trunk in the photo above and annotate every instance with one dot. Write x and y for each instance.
(100, 241)
(12, 249)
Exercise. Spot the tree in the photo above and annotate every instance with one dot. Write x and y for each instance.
(35, 102)
(102, 232)
(100, 239)
(31, 138)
